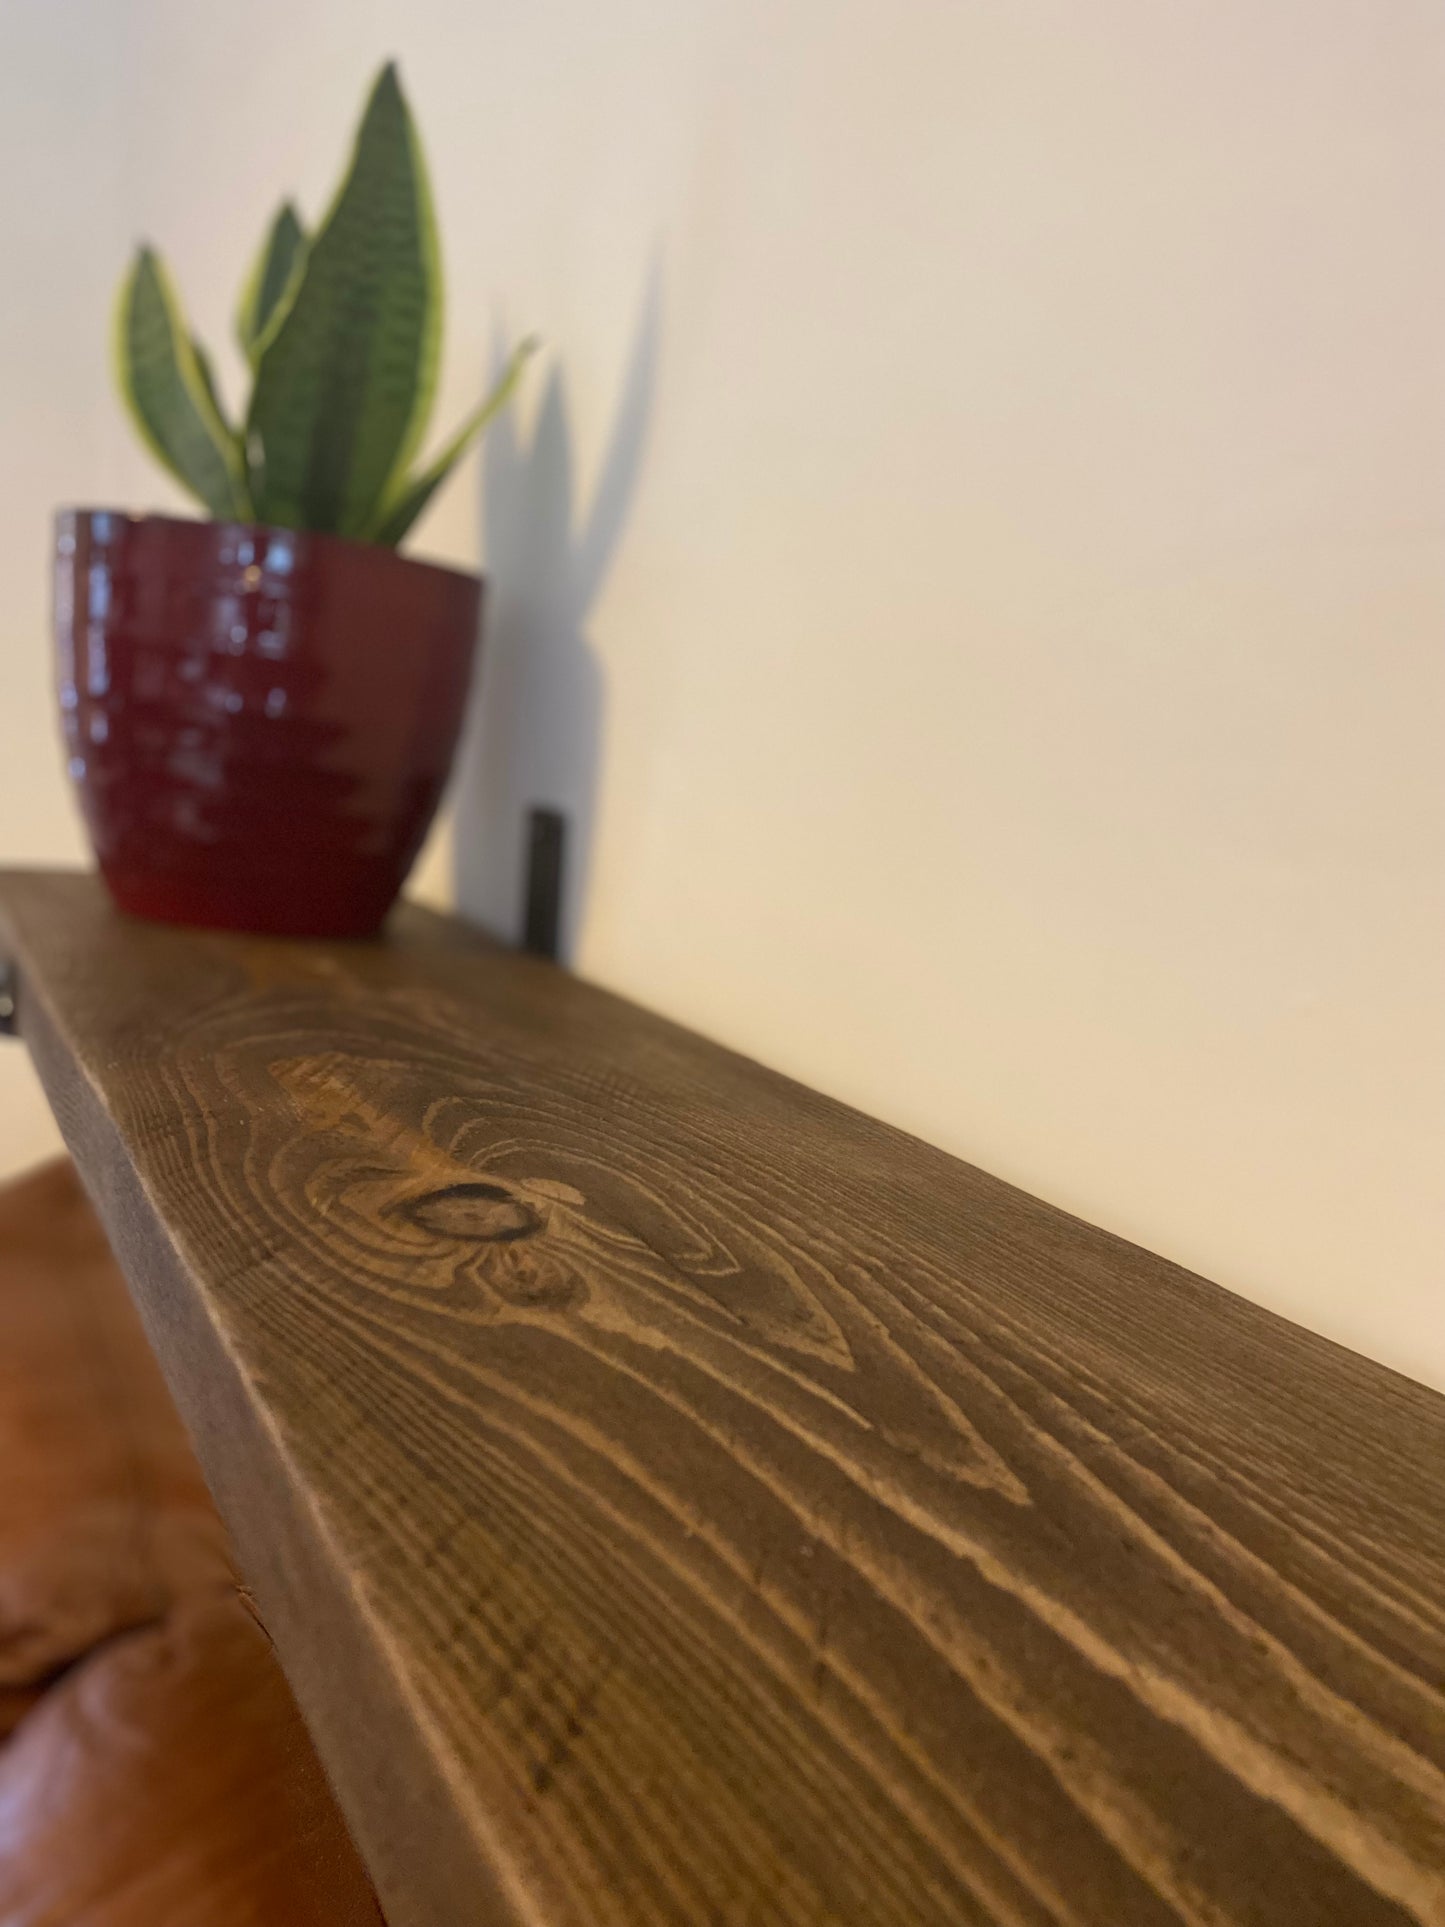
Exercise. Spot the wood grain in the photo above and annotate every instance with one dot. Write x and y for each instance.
(677, 1498)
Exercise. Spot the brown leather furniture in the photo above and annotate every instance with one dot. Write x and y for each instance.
(154, 1771)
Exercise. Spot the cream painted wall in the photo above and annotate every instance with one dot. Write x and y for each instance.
(59, 212)
(977, 573)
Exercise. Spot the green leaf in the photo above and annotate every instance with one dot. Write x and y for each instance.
(345, 383)
(208, 381)
(272, 283)
(405, 501)
(170, 395)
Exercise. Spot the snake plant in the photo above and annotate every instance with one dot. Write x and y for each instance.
(341, 330)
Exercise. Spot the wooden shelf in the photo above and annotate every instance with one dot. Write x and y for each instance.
(677, 1498)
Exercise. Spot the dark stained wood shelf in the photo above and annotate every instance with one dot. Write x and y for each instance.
(677, 1498)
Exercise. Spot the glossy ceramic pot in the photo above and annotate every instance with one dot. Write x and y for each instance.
(259, 722)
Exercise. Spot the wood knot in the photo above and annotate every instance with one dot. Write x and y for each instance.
(488, 1213)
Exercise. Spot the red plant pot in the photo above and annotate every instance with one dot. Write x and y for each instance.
(259, 722)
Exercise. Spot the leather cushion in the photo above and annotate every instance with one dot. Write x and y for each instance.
(157, 1772)
(168, 1781)
(104, 1517)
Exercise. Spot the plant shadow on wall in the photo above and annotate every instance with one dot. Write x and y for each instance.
(535, 733)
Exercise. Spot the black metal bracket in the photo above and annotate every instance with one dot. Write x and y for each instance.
(9, 1000)
(542, 915)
